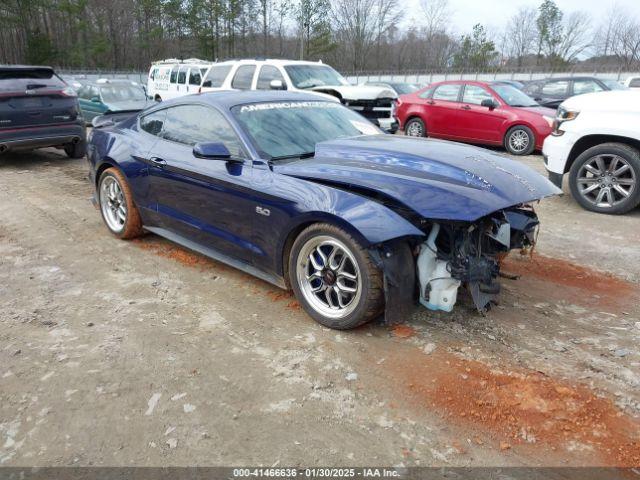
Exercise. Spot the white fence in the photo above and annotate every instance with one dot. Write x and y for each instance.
(427, 78)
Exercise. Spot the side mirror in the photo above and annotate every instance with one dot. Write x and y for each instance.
(489, 103)
(211, 151)
(95, 99)
(277, 85)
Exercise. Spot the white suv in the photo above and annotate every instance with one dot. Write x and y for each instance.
(374, 102)
(596, 140)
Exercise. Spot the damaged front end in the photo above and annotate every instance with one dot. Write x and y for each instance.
(454, 255)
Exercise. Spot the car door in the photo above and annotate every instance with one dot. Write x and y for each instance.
(478, 123)
(442, 111)
(202, 200)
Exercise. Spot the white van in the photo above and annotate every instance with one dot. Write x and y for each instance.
(172, 78)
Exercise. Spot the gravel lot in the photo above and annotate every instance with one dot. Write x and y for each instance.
(142, 353)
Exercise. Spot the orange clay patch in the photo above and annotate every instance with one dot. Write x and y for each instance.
(169, 250)
(562, 272)
(403, 331)
(520, 408)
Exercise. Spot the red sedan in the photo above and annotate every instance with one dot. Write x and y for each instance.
(476, 112)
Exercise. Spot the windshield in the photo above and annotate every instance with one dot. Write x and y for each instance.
(514, 97)
(121, 93)
(292, 129)
(613, 84)
(309, 76)
(404, 88)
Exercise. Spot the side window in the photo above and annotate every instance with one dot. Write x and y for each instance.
(174, 74)
(634, 83)
(267, 74)
(153, 122)
(242, 78)
(194, 76)
(182, 75)
(427, 93)
(585, 86)
(216, 76)
(191, 124)
(555, 88)
(447, 92)
(474, 95)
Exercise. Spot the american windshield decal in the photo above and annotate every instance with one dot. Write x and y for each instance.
(287, 105)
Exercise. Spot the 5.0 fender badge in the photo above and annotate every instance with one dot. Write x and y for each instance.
(263, 211)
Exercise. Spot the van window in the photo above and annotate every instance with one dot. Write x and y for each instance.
(174, 74)
(243, 77)
(190, 124)
(153, 122)
(194, 76)
(182, 75)
(216, 76)
(267, 74)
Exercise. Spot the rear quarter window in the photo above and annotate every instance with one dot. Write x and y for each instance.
(216, 76)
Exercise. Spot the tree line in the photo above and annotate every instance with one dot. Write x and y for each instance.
(352, 35)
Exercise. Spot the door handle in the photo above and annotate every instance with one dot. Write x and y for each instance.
(158, 161)
(465, 107)
(431, 102)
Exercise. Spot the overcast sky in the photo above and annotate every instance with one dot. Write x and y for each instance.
(494, 13)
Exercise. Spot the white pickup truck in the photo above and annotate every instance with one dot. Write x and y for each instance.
(596, 140)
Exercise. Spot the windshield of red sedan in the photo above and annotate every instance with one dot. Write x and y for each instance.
(290, 129)
(514, 97)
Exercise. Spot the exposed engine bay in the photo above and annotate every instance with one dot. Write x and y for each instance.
(462, 254)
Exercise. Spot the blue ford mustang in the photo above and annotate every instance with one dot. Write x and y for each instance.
(307, 194)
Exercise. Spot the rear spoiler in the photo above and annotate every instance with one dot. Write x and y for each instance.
(111, 118)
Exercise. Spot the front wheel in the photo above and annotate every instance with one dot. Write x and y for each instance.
(118, 210)
(334, 278)
(605, 178)
(519, 140)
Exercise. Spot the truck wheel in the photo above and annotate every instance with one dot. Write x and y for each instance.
(415, 128)
(334, 278)
(117, 207)
(519, 140)
(605, 178)
(76, 150)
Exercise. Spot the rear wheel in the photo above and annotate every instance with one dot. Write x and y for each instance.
(606, 178)
(334, 278)
(118, 210)
(76, 150)
(415, 128)
(519, 140)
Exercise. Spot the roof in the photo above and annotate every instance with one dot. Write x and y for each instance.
(228, 99)
(270, 61)
(24, 67)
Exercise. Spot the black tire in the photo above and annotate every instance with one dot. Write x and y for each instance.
(520, 131)
(415, 125)
(371, 299)
(133, 223)
(628, 154)
(76, 150)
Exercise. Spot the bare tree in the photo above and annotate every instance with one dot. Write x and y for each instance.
(577, 36)
(436, 19)
(520, 35)
(356, 26)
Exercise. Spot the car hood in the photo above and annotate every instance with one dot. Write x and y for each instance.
(127, 105)
(358, 92)
(549, 112)
(436, 179)
(609, 101)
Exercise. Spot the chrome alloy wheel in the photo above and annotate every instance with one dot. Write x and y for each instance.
(329, 277)
(112, 204)
(606, 180)
(415, 130)
(519, 141)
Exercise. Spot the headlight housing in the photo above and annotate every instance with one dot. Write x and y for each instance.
(563, 115)
(548, 119)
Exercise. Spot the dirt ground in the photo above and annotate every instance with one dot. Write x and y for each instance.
(142, 353)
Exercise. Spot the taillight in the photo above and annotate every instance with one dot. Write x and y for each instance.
(69, 92)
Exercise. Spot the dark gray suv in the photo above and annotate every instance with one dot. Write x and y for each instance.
(38, 109)
(551, 92)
